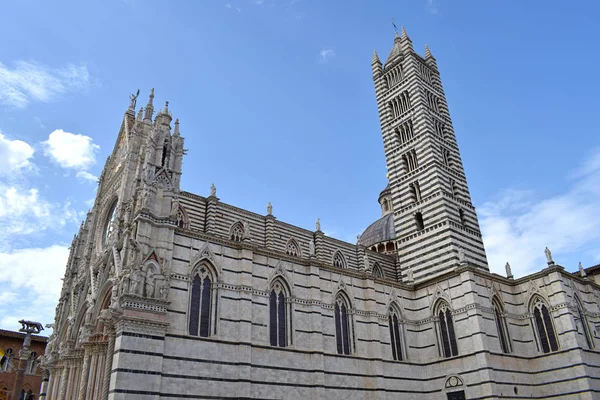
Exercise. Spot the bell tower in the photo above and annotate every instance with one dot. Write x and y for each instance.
(435, 223)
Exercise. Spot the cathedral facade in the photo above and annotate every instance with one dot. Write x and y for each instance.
(172, 295)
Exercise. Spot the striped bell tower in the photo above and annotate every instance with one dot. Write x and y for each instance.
(436, 224)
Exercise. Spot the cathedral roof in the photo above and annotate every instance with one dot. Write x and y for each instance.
(379, 231)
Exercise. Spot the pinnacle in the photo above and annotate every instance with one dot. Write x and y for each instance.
(427, 51)
(404, 34)
(375, 57)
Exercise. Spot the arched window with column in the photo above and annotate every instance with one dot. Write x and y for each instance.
(584, 322)
(445, 324)
(396, 332)
(501, 325)
(343, 324)
(203, 295)
(31, 363)
(280, 326)
(7, 361)
(544, 327)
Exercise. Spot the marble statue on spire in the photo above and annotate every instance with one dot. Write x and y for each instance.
(509, 274)
(549, 256)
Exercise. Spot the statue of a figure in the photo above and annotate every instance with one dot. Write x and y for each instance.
(246, 231)
(213, 190)
(174, 208)
(366, 262)
(508, 271)
(311, 247)
(409, 276)
(269, 209)
(87, 319)
(145, 198)
(114, 298)
(318, 224)
(549, 256)
(134, 279)
(133, 98)
(70, 321)
(149, 283)
(462, 258)
(581, 270)
(164, 290)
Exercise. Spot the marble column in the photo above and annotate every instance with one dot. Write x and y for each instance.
(108, 363)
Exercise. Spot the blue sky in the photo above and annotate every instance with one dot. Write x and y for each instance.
(276, 103)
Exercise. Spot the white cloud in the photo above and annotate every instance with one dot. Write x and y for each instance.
(432, 7)
(228, 5)
(326, 54)
(15, 155)
(518, 226)
(259, 2)
(24, 211)
(30, 284)
(72, 151)
(29, 81)
(86, 176)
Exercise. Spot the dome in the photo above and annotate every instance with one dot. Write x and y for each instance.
(379, 231)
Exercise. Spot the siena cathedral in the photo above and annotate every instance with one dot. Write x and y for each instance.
(173, 295)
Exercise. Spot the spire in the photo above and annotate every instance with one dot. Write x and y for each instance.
(149, 107)
(176, 132)
(166, 110)
(404, 34)
(427, 52)
(376, 65)
(375, 58)
(140, 113)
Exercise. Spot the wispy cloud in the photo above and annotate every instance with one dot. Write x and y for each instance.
(326, 54)
(518, 226)
(432, 6)
(228, 5)
(15, 156)
(22, 272)
(259, 2)
(29, 81)
(23, 211)
(72, 151)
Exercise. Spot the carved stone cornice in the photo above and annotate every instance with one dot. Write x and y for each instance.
(136, 302)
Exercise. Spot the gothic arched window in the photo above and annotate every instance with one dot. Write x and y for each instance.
(448, 345)
(180, 220)
(292, 248)
(395, 333)
(7, 361)
(378, 271)
(109, 224)
(501, 326)
(30, 367)
(339, 260)
(279, 314)
(543, 325)
(201, 309)
(237, 232)
(584, 323)
(343, 323)
(165, 154)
